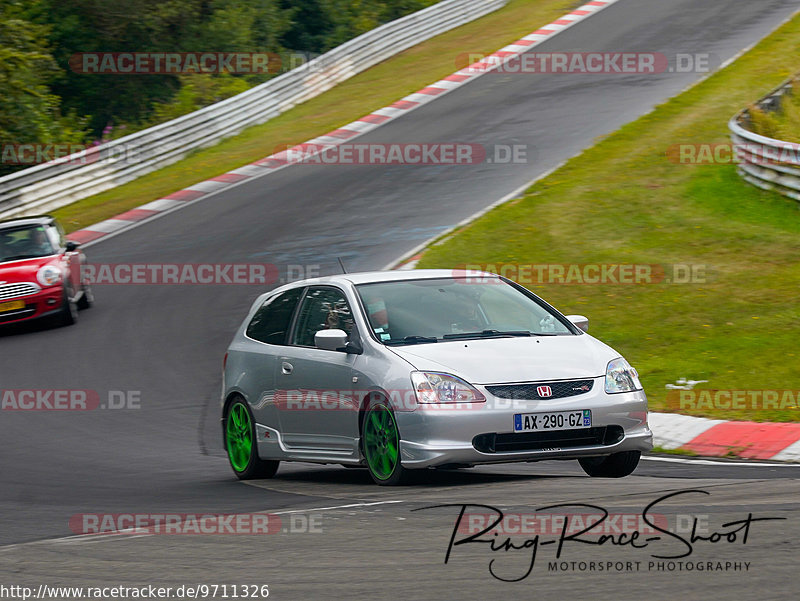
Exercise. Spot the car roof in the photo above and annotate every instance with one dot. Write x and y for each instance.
(23, 221)
(373, 277)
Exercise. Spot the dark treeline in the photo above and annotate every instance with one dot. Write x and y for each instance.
(43, 101)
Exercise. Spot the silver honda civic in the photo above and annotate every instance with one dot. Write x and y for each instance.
(403, 370)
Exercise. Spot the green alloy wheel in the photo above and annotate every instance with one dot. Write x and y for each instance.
(240, 442)
(382, 446)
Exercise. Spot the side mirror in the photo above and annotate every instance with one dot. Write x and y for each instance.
(71, 246)
(580, 322)
(330, 340)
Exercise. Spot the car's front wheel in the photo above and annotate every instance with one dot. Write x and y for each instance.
(381, 445)
(87, 298)
(240, 443)
(69, 309)
(616, 465)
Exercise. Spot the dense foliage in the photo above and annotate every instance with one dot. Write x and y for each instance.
(42, 100)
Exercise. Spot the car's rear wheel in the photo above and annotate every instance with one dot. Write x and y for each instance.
(381, 445)
(617, 465)
(240, 443)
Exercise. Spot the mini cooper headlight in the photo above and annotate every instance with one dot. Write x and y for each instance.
(621, 377)
(48, 275)
(434, 387)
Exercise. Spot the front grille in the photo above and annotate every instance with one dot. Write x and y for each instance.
(16, 290)
(536, 441)
(561, 389)
(26, 312)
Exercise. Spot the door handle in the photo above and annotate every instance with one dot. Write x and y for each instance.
(286, 368)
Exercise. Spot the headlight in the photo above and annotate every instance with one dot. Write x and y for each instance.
(621, 377)
(49, 275)
(433, 387)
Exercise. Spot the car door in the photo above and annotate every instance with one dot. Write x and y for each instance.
(255, 359)
(318, 410)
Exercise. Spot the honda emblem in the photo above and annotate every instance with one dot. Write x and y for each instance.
(544, 391)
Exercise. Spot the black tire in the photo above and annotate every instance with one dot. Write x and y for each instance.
(87, 298)
(617, 465)
(69, 310)
(251, 466)
(389, 437)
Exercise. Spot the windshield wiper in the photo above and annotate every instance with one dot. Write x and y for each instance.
(413, 340)
(489, 334)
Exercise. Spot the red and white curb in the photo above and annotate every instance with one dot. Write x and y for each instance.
(346, 133)
(721, 438)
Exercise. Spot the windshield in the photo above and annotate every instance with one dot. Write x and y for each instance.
(24, 243)
(436, 310)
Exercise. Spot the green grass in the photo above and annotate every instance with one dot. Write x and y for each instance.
(377, 87)
(623, 201)
(684, 452)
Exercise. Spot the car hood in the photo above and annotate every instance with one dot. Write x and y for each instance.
(499, 360)
(25, 270)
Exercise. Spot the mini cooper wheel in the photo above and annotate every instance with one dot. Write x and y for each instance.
(69, 309)
(381, 445)
(617, 465)
(240, 444)
(87, 298)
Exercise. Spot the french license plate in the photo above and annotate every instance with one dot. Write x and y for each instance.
(554, 420)
(12, 306)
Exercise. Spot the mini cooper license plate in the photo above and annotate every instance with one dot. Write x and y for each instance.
(12, 306)
(554, 420)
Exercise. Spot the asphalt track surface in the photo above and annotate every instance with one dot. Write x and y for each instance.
(167, 343)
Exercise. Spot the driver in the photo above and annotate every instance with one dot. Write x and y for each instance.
(38, 243)
(378, 317)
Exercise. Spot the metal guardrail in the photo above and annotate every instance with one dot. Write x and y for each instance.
(58, 183)
(765, 162)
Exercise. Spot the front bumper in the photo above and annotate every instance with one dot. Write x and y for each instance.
(43, 303)
(434, 435)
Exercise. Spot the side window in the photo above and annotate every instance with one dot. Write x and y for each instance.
(322, 309)
(271, 322)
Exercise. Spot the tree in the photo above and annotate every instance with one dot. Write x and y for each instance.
(29, 112)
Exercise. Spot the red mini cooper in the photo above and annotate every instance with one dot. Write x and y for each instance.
(40, 272)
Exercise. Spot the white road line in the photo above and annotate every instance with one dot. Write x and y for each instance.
(331, 508)
(719, 463)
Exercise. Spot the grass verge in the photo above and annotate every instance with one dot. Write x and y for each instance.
(783, 124)
(683, 452)
(623, 201)
(377, 87)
